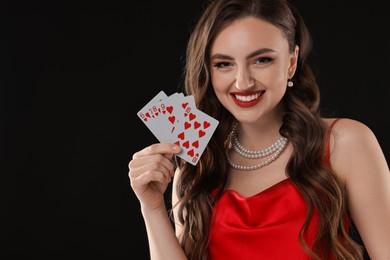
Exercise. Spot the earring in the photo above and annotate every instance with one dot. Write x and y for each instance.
(290, 83)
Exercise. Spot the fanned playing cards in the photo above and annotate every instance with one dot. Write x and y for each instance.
(175, 119)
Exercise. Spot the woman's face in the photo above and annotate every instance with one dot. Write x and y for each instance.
(250, 67)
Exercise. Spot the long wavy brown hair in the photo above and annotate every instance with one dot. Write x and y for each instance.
(302, 125)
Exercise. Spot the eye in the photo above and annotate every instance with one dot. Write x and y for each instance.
(263, 60)
(222, 65)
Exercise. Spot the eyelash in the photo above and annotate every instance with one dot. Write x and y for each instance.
(221, 65)
(262, 60)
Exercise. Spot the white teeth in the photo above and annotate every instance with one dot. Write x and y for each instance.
(247, 98)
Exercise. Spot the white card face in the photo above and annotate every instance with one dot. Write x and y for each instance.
(175, 119)
(144, 114)
(160, 95)
(176, 107)
(154, 117)
(193, 134)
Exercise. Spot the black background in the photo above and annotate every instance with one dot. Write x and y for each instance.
(74, 75)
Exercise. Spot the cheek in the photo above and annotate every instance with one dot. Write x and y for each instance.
(221, 89)
(218, 90)
(271, 78)
(220, 82)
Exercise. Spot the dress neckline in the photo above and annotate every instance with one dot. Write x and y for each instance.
(273, 186)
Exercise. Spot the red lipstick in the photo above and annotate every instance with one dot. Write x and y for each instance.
(247, 99)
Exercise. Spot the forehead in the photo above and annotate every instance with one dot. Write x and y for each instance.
(248, 34)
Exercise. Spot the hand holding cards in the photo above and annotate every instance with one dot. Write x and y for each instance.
(175, 119)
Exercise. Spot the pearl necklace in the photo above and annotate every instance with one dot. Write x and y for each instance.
(274, 150)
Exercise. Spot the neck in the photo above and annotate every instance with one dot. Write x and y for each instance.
(269, 154)
(261, 134)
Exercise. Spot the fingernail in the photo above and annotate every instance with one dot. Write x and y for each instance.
(176, 148)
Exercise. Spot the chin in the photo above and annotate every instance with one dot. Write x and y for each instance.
(246, 119)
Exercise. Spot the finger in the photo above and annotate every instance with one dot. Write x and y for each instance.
(154, 176)
(159, 148)
(155, 158)
(149, 180)
(152, 172)
(156, 162)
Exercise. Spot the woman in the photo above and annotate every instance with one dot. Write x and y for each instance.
(277, 180)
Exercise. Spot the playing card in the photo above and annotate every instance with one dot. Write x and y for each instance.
(193, 133)
(175, 108)
(144, 113)
(175, 119)
(153, 115)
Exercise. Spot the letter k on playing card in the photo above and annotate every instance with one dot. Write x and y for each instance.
(175, 119)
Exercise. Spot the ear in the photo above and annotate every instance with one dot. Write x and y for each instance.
(293, 62)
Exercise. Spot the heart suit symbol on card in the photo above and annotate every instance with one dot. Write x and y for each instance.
(191, 116)
(181, 136)
(186, 144)
(172, 119)
(191, 152)
(195, 144)
(206, 124)
(201, 133)
(196, 125)
(170, 109)
(187, 125)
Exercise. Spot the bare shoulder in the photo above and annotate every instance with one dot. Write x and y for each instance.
(349, 129)
(353, 145)
(357, 159)
(347, 134)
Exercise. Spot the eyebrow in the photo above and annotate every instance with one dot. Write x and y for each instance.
(251, 55)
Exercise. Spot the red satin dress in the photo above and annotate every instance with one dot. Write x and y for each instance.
(263, 226)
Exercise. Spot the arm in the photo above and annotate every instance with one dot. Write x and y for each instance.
(150, 172)
(358, 159)
(175, 206)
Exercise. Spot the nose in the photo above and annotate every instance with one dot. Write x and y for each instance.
(243, 80)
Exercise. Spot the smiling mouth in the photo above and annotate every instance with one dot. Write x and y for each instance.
(247, 97)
